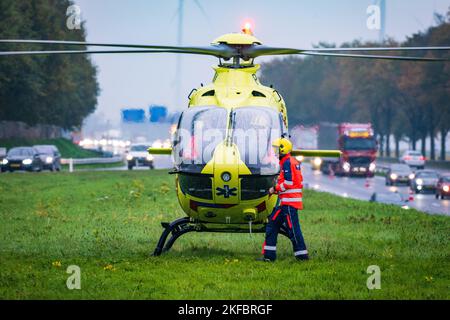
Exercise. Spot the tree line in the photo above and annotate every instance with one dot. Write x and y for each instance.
(408, 101)
(58, 90)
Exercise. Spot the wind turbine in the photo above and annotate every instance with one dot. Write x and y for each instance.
(178, 70)
(382, 5)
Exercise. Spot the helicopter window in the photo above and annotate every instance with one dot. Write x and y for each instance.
(139, 148)
(255, 187)
(258, 94)
(199, 131)
(210, 93)
(199, 186)
(254, 130)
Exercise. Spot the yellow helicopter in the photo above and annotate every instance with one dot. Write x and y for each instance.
(224, 163)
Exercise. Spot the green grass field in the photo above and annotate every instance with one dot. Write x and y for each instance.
(108, 224)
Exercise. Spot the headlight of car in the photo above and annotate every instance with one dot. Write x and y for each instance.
(4, 162)
(300, 158)
(149, 157)
(419, 181)
(394, 176)
(27, 162)
(49, 160)
(317, 162)
(446, 188)
(412, 176)
(129, 157)
(346, 166)
(372, 167)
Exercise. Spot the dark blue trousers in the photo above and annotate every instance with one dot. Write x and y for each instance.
(284, 216)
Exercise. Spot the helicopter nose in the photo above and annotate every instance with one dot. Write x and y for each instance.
(227, 168)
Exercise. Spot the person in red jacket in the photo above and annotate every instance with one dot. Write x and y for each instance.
(290, 195)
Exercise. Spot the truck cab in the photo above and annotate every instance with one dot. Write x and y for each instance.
(358, 145)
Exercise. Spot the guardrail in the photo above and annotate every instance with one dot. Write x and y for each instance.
(71, 162)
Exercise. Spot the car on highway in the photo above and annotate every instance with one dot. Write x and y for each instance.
(22, 158)
(424, 180)
(399, 173)
(50, 157)
(138, 156)
(414, 159)
(443, 187)
(2, 155)
(389, 198)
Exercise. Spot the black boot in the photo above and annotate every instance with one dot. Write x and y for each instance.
(303, 257)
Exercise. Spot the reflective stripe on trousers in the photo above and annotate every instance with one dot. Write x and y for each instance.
(301, 253)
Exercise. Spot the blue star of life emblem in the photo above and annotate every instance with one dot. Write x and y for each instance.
(226, 192)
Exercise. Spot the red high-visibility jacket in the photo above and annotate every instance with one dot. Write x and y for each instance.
(290, 183)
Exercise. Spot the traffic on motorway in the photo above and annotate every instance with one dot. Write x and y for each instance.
(406, 183)
(431, 200)
(33, 159)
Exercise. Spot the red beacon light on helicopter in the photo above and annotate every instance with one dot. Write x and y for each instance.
(247, 28)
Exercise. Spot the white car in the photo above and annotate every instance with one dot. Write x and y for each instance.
(138, 156)
(413, 159)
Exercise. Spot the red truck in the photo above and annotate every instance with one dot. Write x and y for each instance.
(357, 143)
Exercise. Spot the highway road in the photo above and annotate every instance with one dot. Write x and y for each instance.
(362, 189)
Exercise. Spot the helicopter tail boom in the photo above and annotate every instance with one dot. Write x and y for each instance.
(305, 153)
(317, 153)
(160, 151)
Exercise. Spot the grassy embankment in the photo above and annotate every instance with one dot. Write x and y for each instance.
(108, 223)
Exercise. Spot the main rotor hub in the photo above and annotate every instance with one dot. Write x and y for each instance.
(237, 39)
(237, 43)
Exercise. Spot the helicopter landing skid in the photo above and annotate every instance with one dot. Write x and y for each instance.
(182, 226)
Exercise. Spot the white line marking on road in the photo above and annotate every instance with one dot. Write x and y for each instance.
(435, 204)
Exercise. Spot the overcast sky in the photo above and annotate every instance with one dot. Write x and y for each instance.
(136, 81)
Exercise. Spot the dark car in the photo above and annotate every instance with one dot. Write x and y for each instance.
(399, 173)
(425, 180)
(50, 157)
(2, 155)
(443, 187)
(388, 198)
(22, 158)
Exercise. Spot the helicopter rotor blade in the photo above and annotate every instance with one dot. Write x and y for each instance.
(256, 51)
(381, 49)
(220, 51)
(21, 53)
(366, 56)
(226, 52)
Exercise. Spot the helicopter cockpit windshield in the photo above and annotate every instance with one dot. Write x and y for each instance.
(202, 129)
(254, 130)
